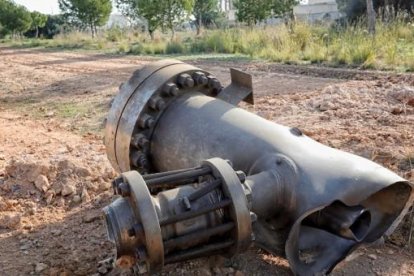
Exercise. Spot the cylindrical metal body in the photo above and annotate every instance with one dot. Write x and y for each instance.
(311, 201)
(306, 174)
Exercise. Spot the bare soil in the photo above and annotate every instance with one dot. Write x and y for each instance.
(55, 178)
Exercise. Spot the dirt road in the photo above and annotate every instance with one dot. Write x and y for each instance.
(54, 176)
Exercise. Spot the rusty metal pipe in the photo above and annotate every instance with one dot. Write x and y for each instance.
(307, 197)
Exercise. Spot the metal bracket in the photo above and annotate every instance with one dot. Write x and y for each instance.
(240, 89)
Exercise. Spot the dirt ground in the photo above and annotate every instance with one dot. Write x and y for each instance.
(55, 178)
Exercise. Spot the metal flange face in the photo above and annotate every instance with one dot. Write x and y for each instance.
(239, 212)
(145, 210)
(131, 122)
(126, 90)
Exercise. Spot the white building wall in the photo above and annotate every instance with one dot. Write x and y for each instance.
(311, 10)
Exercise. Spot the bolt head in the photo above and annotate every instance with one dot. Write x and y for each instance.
(170, 89)
(241, 175)
(200, 78)
(160, 105)
(185, 80)
(296, 131)
(124, 189)
(214, 84)
(189, 82)
(146, 121)
(149, 123)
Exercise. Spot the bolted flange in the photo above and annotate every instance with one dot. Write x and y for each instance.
(140, 103)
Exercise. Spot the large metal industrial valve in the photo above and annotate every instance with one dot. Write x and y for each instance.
(200, 176)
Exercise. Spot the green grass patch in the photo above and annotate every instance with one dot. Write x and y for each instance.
(392, 48)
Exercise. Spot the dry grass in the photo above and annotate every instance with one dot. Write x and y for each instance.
(392, 48)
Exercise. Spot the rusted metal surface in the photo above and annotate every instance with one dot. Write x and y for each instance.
(301, 199)
(167, 227)
(240, 89)
(120, 101)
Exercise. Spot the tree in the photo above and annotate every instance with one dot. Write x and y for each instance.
(205, 13)
(174, 13)
(371, 17)
(38, 21)
(281, 8)
(165, 14)
(253, 12)
(14, 18)
(149, 10)
(89, 13)
(355, 9)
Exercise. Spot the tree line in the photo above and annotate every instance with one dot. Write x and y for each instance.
(165, 15)
(16, 19)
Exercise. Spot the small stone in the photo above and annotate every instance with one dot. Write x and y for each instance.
(31, 211)
(83, 172)
(60, 202)
(56, 232)
(68, 190)
(49, 198)
(50, 114)
(372, 256)
(397, 110)
(85, 196)
(102, 270)
(92, 216)
(105, 186)
(25, 246)
(42, 183)
(76, 199)
(40, 267)
(11, 221)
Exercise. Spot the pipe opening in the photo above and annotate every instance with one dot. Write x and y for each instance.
(360, 227)
(348, 222)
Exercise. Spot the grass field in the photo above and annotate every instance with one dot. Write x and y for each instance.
(392, 48)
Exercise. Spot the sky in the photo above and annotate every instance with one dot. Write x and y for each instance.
(43, 6)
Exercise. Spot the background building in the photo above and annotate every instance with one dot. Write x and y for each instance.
(314, 10)
(311, 10)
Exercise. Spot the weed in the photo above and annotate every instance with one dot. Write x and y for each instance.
(391, 48)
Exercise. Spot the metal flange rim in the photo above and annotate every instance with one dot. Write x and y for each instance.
(141, 198)
(240, 213)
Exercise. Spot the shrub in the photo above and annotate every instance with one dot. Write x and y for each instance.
(136, 49)
(175, 47)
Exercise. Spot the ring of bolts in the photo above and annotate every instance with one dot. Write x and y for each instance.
(140, 142)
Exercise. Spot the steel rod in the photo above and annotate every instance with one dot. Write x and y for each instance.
(205, 190)
(198, 252)
(195, 213)
(162, 174)
(183, 240)
(170, 179)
